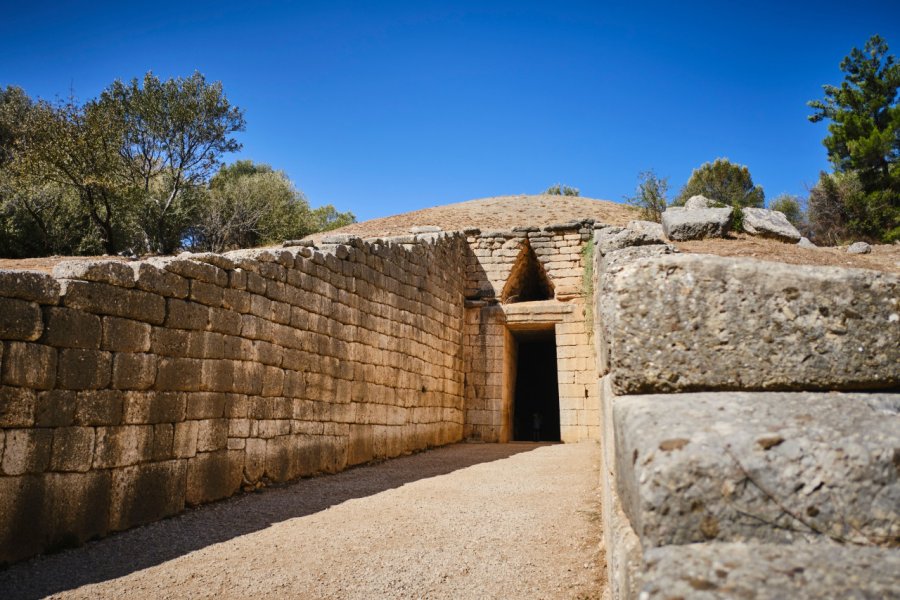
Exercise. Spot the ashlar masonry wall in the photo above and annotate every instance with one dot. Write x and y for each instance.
(130, 390)
(491, 323)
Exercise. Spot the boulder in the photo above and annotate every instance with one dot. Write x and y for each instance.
(859, 248)
(648, 229)
(694, 224)
(805, 243)
(770, 224)
(616, 238)
(696, 202)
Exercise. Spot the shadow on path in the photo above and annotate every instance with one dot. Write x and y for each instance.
(150, 545)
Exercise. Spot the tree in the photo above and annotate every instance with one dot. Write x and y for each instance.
(792, 208)
(864, 137)
(650, 196)
(175, 132)
(724, 182)
(249, 204)
(562, 190)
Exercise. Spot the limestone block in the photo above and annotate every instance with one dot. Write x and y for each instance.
(122, 446)
(207, 293)
(770, 466)
(687, 224)
(212, 434)
(51, 511)
(152, 278)
(185, 442)
(20, 320)
(859, 248)
(103, 299)
(255, 459)
(83, 369)
(217, 376)
(699, 201)
(236, 299)
(146, 493)
(29, 365)
(125, 335)
(752, 570)
(163, 444)
(205, 405)
(73, 449)
(218, 260)
(616, 238)
(103, 271)
(769, 223)
(236, 406)
(54, 408)
(26, 451)
(133, 371)
(178, 374)
(29, 285)
(193, 270)
(68, 328)
(153, 407)
(211, 476)
(184, 314)
(693, 322)
(98, 407)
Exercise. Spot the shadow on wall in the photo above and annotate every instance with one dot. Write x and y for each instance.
(150, 545)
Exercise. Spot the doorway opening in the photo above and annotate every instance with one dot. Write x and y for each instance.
(535, 405)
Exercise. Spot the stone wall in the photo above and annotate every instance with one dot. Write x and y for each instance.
(130, 390)
(750, 421)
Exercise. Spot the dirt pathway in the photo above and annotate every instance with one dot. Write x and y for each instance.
(464, 521)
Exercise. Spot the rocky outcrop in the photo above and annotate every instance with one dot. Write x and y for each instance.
(682, 224)
(770, 224)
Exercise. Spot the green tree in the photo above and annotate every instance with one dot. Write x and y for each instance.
(724, 182)
(791, 206)
(650, 196)
(249, 204)
(175, 133)
(864, 138)
(562, 190)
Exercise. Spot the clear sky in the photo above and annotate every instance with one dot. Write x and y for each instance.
(384, 107)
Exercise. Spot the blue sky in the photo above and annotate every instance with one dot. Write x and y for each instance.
(384, 107)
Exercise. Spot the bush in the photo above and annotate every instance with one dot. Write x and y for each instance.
(562, 190)
(725, 182)
(650, 196)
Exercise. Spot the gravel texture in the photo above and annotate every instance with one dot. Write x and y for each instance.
(464, 521)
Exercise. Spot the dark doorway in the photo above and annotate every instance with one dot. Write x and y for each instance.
(536, 400)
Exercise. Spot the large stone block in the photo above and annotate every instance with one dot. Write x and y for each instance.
(26, 451)
(84, 369)
(29, 285)
(693, 224)
(146, 493)
(185, 442)
(68, 328)
(707, 571)
(102, 271)
(51, 511)
(122, 446)
(694, 322)
(73, 449)
(133, 371)
(179, 374)
(211, 476)
(104, 299)
(774, 467)
(29, 365)
(55, 408)
(17, 406)
(153, 407)
(771, 224)
(125, 335)
(98, 407)
(20, 320)
(153, 278)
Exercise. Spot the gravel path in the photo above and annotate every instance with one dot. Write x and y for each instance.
(463, 521)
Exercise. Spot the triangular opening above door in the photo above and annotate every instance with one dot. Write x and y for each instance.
(527, 280)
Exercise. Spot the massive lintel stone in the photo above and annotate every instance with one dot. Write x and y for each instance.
(771, 224)
(707, 571)
(768, 466)
(699, 322)
(693, 224)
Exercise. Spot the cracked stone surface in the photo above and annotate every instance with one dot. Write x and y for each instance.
(773, 467)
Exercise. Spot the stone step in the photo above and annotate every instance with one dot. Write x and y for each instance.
(771, 466)
(740, 570)
(698, 322)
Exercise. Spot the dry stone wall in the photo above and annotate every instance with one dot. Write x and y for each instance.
(130, 390)
(750, 421)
